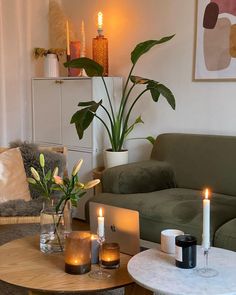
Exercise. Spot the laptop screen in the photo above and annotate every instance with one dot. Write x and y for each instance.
(121, 226)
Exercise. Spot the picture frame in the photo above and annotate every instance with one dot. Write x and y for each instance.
(215, 52)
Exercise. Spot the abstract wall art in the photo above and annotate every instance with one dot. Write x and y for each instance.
(216, 40)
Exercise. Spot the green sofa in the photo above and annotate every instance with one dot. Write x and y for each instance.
(167, 189)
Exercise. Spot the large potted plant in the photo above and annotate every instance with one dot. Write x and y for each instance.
(118, 126)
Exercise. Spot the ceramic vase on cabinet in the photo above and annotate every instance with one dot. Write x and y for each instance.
(51, 65)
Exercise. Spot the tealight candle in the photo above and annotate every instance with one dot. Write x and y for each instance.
(110, 255)
(78, 253)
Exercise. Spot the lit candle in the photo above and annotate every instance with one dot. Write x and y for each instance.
(206, 221)
(100, 20)
(100, 224)
(67, 38)
(78, 253)
(110, 255)
(83, 51)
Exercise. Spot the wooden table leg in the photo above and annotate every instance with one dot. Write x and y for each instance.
(135, 289)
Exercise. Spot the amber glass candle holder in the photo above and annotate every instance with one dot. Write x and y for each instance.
(100, 52)
(78, 253)
(110, 255)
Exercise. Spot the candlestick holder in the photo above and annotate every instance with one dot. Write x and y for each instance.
(206, 271)
(100, 274)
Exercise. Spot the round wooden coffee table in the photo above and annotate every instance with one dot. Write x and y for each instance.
(22, 264)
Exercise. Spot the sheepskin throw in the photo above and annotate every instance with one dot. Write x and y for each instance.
(30, 154)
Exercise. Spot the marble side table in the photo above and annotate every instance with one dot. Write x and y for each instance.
(156, 271)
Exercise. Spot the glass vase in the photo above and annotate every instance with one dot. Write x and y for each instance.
(54, 226)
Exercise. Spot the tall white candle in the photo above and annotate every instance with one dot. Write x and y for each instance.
(100, 224)
(67, 38)
(206, 221)
(83, 50)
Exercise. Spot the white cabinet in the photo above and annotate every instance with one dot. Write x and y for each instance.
(54, 101)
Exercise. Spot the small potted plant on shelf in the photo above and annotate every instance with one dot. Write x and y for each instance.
(51, 61)
(59, 193)
(118, 126)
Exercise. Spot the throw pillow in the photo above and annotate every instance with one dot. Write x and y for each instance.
(13, 182)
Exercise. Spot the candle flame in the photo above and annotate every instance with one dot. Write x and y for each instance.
(100, 20)
(206, 193)
(100, 212)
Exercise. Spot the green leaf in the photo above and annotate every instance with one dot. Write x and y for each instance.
(48, 176)
(84, 117)
(155, 93)
(151, 139)
(131, 127)
(91, 67)
(139, 80)
(144, 47)
(167, 94)
(86, 103)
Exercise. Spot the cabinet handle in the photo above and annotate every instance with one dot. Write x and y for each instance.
(58, 81)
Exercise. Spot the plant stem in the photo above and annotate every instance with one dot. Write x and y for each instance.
(107, 129)
(107, 115)
(127, 117)
(126, 84)
(109, 99)
(125, 101)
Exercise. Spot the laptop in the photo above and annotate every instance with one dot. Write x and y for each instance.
(121, 226)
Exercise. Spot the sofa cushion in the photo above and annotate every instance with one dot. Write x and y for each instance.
(140, 177)
(199, 160)
(13, 182)
(172, 208)
(225, 236)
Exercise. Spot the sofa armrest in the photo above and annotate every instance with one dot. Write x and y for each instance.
(139, 177)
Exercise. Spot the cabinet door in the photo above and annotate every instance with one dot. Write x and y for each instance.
(46, 111)
(74, 91)
(85, 174)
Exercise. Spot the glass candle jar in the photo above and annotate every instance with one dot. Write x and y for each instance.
(185, 251)
(78, 253)
(110, 255)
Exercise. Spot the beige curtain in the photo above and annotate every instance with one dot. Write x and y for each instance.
(23, 25)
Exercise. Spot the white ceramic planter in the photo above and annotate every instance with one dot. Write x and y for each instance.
(51, 66)
(112, 159)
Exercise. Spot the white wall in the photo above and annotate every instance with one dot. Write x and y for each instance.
(23, 25)
(202, 107)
